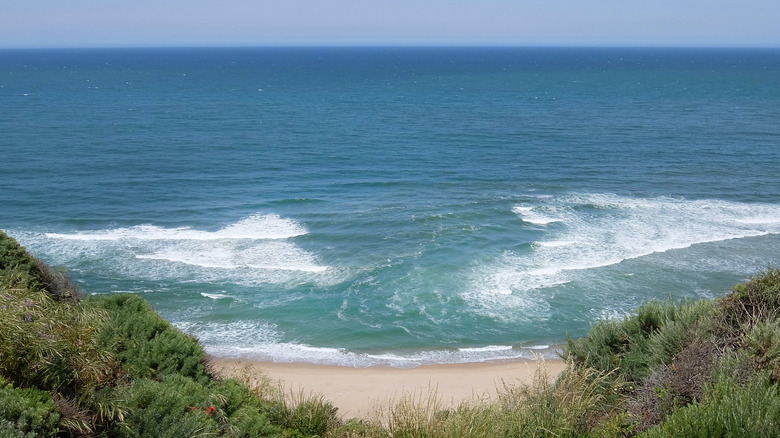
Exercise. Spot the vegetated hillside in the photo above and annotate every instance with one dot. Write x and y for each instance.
(109, 366)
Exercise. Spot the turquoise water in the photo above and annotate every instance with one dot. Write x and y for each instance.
(393, 206)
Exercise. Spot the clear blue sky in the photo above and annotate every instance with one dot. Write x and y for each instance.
(111, 23)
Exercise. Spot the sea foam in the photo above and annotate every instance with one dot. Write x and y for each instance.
(263, 341)
(255, 250)
(600, 230)
(254, 227)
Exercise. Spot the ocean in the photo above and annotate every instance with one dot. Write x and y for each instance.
(393, 206)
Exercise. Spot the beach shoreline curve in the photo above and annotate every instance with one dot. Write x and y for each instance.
(363, 392)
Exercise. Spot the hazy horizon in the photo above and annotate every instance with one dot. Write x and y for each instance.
(403, 23)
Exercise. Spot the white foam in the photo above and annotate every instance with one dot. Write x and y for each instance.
(262, 341)
(255, 250)
(216, 296)
(759, 221)
(226, 254)
(600, 230)
(534, 215)
(538, 347)
(292, 353)
(269, 226)
(608, 229)
(554, 243)
(231, 334)
(489, 348)
(262, 227)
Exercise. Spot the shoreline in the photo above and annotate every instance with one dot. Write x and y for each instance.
(363, 392)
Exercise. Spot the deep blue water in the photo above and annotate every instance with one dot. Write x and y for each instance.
(397, 206)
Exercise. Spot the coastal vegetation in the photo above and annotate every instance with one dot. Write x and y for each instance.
(108, 365)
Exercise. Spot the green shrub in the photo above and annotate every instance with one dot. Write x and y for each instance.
(175, 407)
(179, 406)
(749, 303)
(31, 273)
(26, 412)
(17, 267)
(147, 345)
(763, 343)
(247, 414)
(649, 338)
(682, 323)
(312, 416)
(249, 422)
(51, 344)
(728, 410)
(571, 406)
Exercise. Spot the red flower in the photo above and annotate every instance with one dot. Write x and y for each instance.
(210, 410)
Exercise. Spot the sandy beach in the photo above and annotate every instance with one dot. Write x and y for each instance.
(359, 392)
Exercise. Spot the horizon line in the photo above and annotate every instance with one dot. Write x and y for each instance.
(392, 46)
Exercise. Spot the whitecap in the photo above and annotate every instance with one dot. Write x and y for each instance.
(488, 348)
(256, 250)
(216, 296)
(227, 254)
(608, 229)
(605, 230)
(269, 226)
(553, 243)
(535, 215)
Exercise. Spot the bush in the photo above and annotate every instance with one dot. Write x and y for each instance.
(147, 345)
(311, 417)
(31, 273)
(248, 415)
(763, 343)
(180, 406)
(51, 344)
(572, 406)
(634, 346)
(17, 267)
(57, 283)
(26, 412)
(750, 303)
(728, 409)
(175, 407)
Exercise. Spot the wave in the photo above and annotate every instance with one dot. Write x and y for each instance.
(283, 256)
(600, 230)
(269, 226)
(535, 215)
(217, 296)
(255, 250)
(261, 341)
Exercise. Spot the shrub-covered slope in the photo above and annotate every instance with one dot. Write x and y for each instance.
(700, 368)
(110, 366)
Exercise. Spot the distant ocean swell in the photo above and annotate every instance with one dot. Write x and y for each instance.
(555, 240)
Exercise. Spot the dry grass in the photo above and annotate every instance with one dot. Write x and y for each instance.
(571, 405)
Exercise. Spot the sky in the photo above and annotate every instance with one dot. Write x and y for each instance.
(186, 23)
